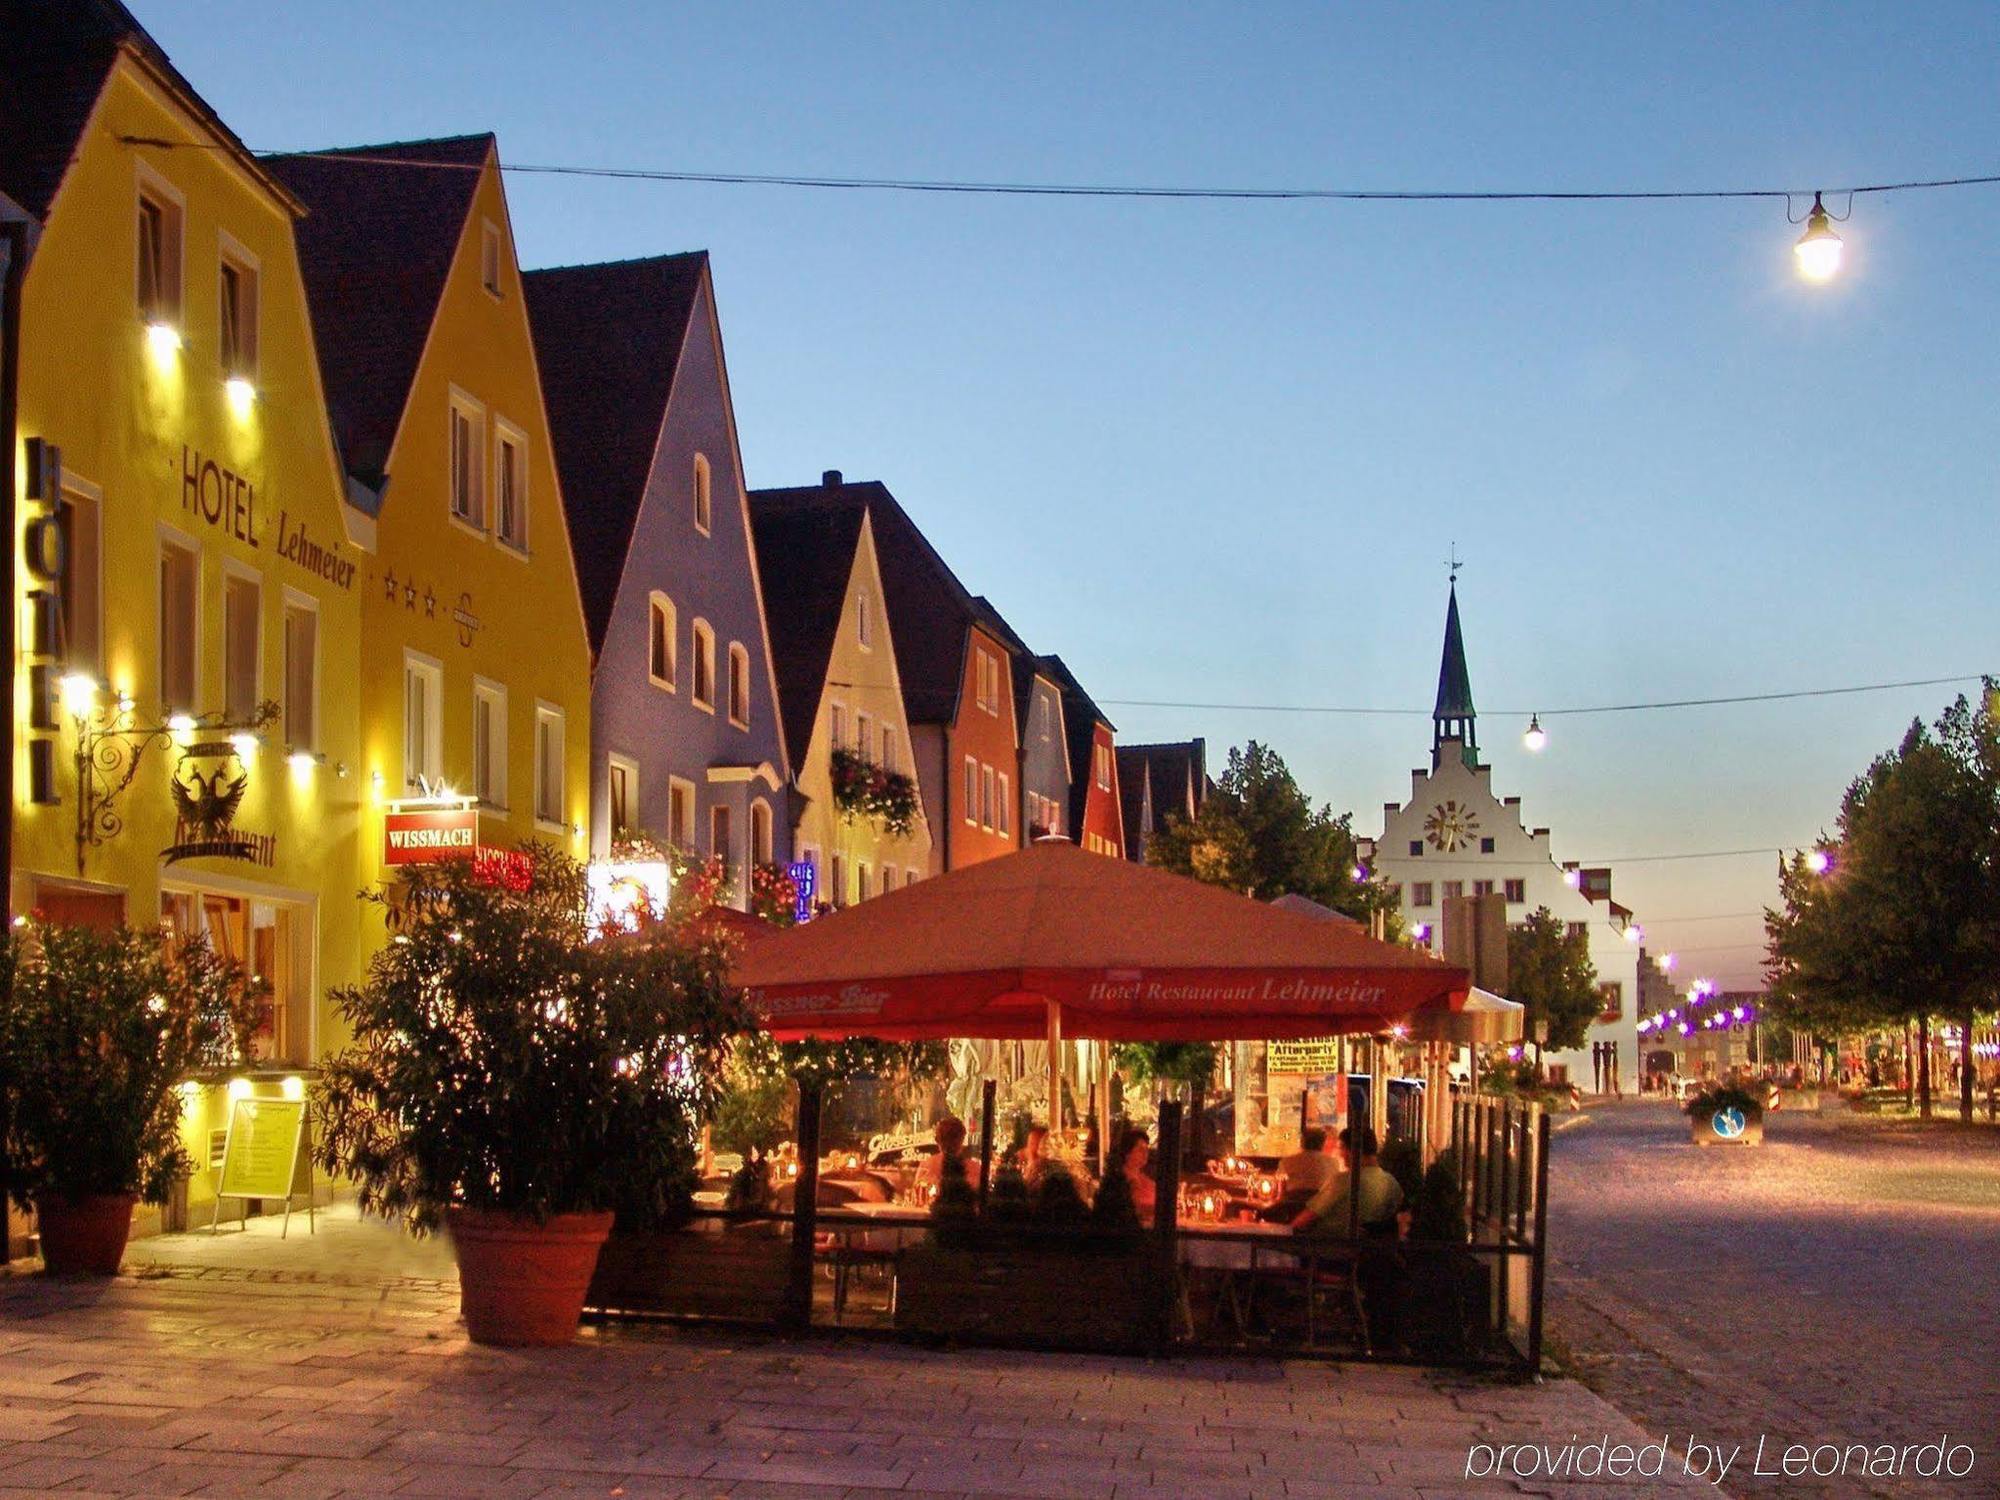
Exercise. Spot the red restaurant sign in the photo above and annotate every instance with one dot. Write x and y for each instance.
(415, 838)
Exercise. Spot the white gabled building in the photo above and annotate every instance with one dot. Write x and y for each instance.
(1455, 837)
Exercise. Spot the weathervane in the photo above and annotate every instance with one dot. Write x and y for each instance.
(1453, 563)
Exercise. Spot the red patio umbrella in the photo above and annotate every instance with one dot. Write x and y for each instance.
(1053, 940)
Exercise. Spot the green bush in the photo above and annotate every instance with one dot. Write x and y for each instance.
(98, 1027)
(506, 1060)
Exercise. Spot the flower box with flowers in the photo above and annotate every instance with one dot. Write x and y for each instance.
(863, 789)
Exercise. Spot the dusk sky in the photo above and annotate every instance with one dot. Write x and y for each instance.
(1218, 451)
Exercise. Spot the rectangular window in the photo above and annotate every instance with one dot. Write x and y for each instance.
(510, 489)
(836, 895)
(909, 878)
(1103, 756)
(159, 264)
(1045, 717)
(301, 676)
(888, 761)
(719, 845)
(423, 729)
(1577, 929)
(1486, 846)
(1517, 891)
(82, 584)
(1420, 893)
(1611, 999)
(237, 304)
(888, 879)
(489, 256)
(971, 790)
(180, 589)
(704, 505)
(468, 462)
(985, 796)
(863, 624)
(624, 797)
(739, 686)
(1482, 887)
(489, 743)
(663, 642)
(704, 666)
(242, 643)
(1003, 819)
(1453, 889)
(548, 765)
(1416, 848)
(863, 887)
(680, 813)
(837, 726)
(864, 734)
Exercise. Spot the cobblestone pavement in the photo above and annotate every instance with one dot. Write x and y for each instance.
(334, 1365)
(1836, 1284)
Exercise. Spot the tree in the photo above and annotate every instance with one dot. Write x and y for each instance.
(1259, 833)
(1903, 924)
(1549, 971)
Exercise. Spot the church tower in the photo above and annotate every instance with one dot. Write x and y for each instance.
(1454, 717)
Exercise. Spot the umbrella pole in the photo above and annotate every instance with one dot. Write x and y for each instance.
(1103, 1105)
(1055, 1068)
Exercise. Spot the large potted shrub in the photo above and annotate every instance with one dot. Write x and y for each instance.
(519, 1078)
(1726, 1114)
(99, 1026)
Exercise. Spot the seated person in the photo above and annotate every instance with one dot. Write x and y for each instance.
(1127, 1197)
(950, 1154)
(1034, 1154)
(1307, 1169)
(1379, 1195)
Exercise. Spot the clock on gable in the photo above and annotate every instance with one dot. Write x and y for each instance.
(1449, 826)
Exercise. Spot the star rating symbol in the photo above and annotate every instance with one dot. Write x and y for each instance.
(409, 596)
(389, 584)
(430, 603)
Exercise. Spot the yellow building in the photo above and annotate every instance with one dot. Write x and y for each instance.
(840, 695)
(180, 549)
(475, 669)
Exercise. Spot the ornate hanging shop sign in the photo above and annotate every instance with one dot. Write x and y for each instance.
(207, 787)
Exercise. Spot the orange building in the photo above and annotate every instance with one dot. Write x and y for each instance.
(1096, 808)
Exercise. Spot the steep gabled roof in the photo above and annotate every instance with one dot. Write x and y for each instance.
(376, 249)
(608, 339)
(810, 553)
(1178, 774)
(1135, 784)
(59, 53)
(930, 611)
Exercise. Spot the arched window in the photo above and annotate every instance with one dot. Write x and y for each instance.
(662, 642)
(704, 666)
(739, 685)
(760, 832)
(704, 505)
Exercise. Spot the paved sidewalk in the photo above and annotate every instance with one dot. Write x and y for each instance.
(335, 1365)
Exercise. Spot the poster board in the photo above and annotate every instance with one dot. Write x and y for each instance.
(264, 1155)
(1316, 1056)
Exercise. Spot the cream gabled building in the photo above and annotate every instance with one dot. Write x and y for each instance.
(1455, 837)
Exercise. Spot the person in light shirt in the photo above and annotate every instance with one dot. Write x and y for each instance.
(1308, 1168)
(1379, 1195)
(951, 1151)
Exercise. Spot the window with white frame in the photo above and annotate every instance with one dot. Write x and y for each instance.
(423, 721)
(863, 887)
(548, 765)
(242, 643)
(489, 743)
(888, 879)
(489, 256)
(836, 892)
(680, 814)
(83, 582)
(1045, 716)
(301, 674)
(704, 505)
(760, 832)
(1102, 755)
(864, 631)
(180, 596)
(622, 789)
(1003, 818)
(720, 839)
(836, 726)
(704, 666)
(662, 641)
(159, 220)
(985, 796)
(510, 487)
(236, 305)
(888, 761)
(468, 461)
(739, 685)
(986, 680)
(864, 735)
(971, 790)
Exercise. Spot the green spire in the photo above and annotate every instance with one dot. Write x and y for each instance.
(1454, 717)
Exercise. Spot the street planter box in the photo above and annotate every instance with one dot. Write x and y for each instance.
(738, 1274)
(1094, 1298)
(1716, 1128)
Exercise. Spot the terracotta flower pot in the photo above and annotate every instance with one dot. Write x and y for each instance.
(84, 1234)
(522, 1283)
